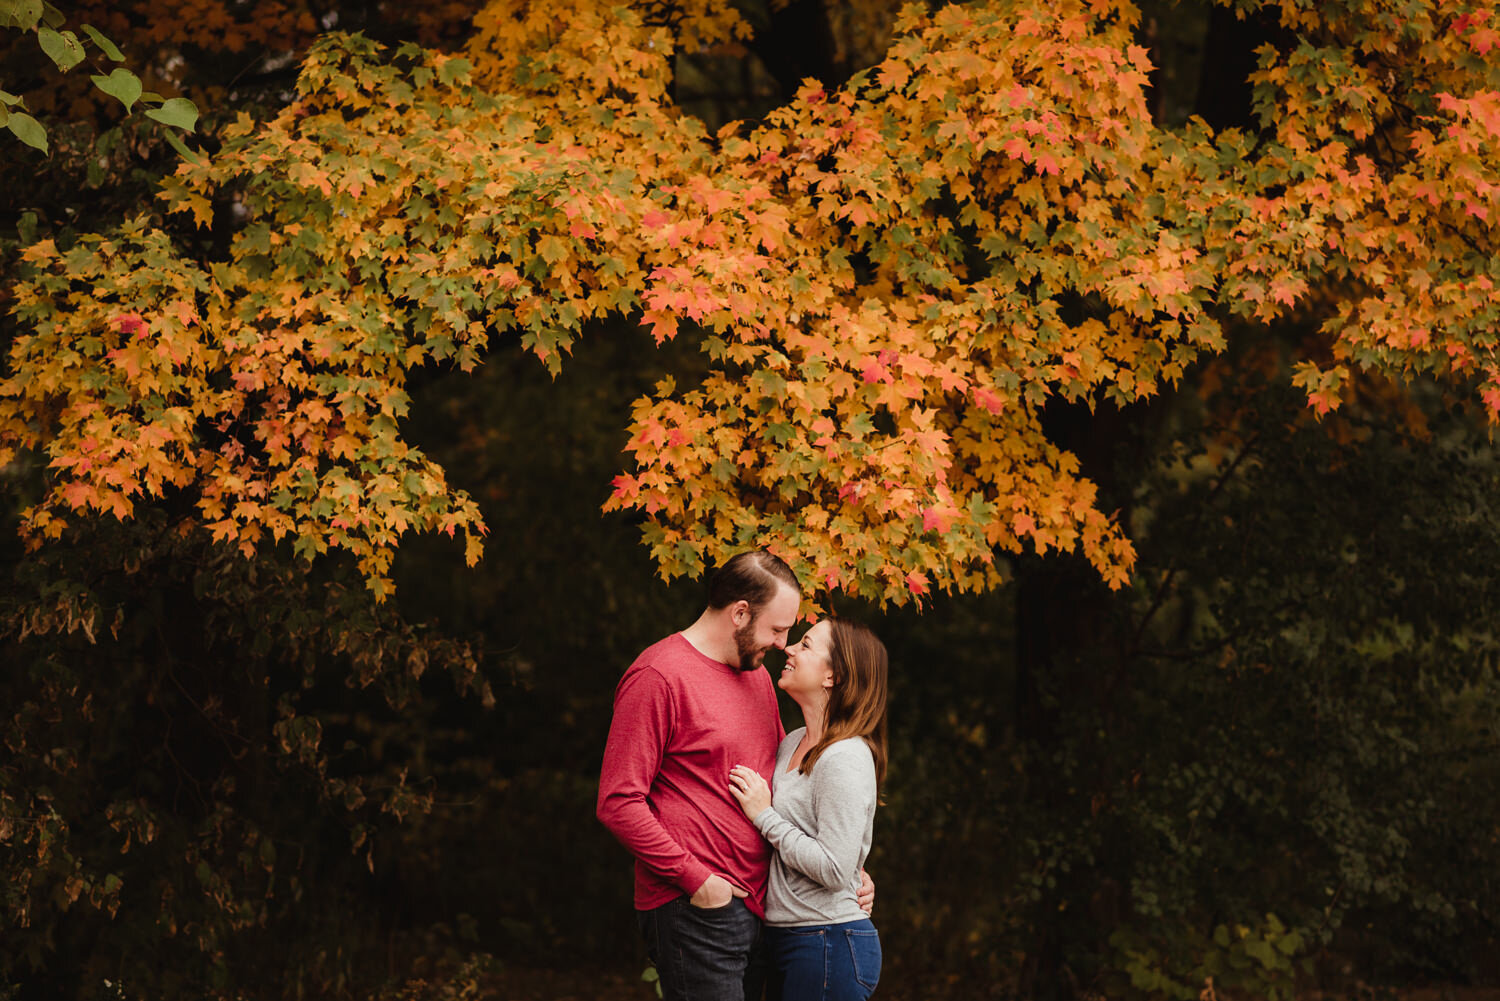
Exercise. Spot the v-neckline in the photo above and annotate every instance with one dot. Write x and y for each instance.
(793, 763)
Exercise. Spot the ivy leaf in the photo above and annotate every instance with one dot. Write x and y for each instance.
(177, 112)
(28, 130)
(121, 84)
(63, 48)
(23, 14)
(109, 48)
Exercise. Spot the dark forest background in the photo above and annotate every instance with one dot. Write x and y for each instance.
(1271, 761)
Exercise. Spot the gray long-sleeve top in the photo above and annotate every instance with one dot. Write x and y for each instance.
(820, 825)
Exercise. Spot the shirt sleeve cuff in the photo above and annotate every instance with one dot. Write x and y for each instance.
(693, 876)
(764, 819)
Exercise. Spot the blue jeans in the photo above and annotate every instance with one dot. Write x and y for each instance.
(705, 954)
(823, 962)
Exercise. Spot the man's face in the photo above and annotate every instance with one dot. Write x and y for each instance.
(767, 628)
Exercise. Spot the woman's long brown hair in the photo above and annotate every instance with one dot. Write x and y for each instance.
(856, 702)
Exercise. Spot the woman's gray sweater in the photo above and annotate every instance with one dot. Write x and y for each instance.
(820, 825)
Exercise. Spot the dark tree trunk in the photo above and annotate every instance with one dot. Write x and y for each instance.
(1071, 662)
(798, 45)
(1225, 97)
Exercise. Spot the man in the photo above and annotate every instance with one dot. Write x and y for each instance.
(690, 708)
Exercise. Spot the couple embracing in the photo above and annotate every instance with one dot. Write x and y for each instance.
(749, 842)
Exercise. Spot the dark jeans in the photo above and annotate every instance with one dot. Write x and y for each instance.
(823, 962)
(705, 955)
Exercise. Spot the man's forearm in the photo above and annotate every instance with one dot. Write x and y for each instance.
(633, 824)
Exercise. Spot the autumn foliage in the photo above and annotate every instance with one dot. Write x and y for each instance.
(892, 279)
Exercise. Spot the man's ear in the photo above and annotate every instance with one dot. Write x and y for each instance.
(739, 612)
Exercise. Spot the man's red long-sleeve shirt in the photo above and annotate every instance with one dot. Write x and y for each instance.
(681, 721)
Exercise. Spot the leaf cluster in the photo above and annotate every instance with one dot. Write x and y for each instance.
(66, 51)
(891, 280)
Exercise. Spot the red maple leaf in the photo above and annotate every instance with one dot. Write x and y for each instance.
(130, 323)
(936, 520)
(988, 400)
(1322, 401)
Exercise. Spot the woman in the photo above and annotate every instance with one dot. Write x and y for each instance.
(819, 814)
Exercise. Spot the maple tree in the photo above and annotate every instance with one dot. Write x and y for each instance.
(891, 279)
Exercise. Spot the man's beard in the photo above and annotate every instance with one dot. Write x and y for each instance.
(751, 656)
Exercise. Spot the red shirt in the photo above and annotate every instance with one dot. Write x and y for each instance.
(681, 721)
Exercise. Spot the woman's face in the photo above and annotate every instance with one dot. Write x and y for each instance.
(809, 671)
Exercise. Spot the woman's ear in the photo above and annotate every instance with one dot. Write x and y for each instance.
(828, 677)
